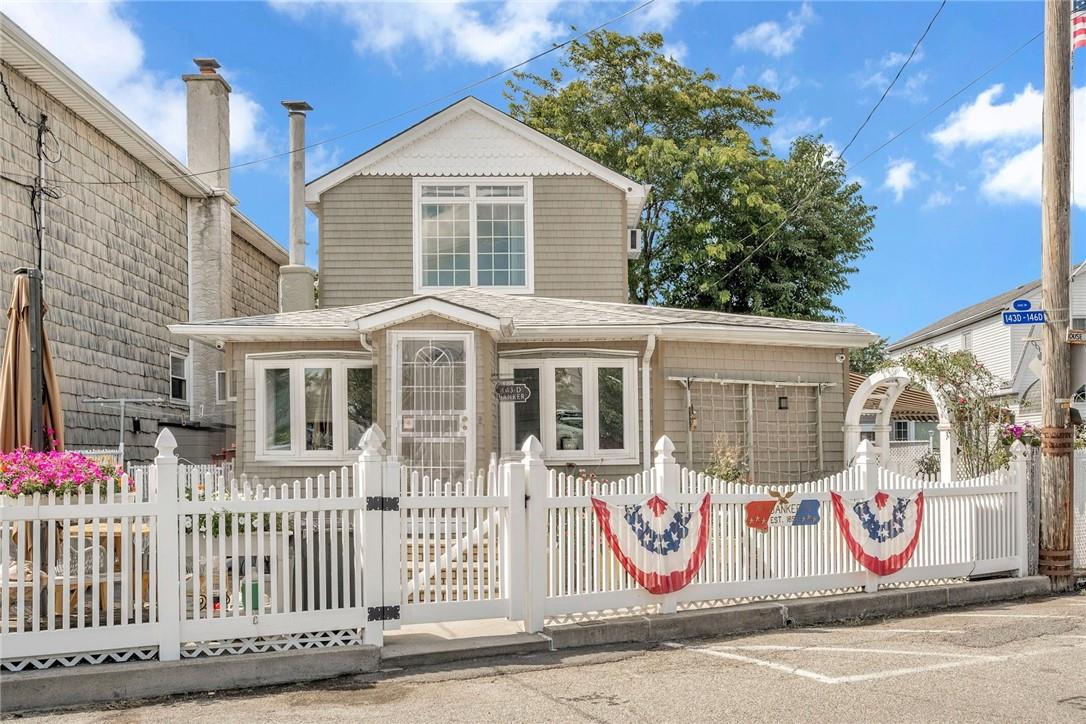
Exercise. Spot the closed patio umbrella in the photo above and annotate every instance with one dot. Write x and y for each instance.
(15, 384)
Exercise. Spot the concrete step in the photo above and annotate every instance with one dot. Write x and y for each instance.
(408, 650)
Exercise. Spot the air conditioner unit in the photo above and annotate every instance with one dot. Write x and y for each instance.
(633, 242)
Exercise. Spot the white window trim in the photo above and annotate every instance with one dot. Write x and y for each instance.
(231, 387)
(188, 376)
(297, 454)
(591, 455)
(472, 200)
(395, 340)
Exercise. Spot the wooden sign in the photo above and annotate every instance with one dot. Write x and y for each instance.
(512, 392)
(1076, 336)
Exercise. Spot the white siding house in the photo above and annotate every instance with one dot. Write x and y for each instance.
(1006, 351)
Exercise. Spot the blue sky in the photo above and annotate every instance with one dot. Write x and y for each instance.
(958, 216)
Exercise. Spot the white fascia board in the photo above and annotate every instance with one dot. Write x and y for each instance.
(427, 306)
(211, 333)
(703, 333)
(635, 192)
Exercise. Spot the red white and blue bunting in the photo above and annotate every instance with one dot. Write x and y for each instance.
(881, 532)
(660, 546)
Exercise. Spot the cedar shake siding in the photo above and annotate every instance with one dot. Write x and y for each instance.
(366, 240)
(115, 268)
(256, 288)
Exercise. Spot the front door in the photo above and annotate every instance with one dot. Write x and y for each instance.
(433, 403)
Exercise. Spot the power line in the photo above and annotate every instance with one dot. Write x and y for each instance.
(822, 166)
(386, 119)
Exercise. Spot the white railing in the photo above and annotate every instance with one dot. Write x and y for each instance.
(185, 562)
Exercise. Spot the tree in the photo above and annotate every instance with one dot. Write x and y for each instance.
(718, 195)
(869, 359)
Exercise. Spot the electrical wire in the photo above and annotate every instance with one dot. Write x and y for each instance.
(453, 93)
(822, 166)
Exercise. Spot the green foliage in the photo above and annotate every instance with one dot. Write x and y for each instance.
(869, 359)
(717, 192)
(928, 464)
(728, 462)
(968, 391)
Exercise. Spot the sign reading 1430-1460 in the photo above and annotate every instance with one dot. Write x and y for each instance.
(1036, 316)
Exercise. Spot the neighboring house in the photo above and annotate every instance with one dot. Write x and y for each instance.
(133, 244)
(471, 251)
(1008, 351)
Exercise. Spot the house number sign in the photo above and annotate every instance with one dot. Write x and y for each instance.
(512, 392)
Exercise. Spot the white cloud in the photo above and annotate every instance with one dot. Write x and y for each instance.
(900, 177)
(100, 45)
(677, 51)
(879, 74)
(775, 38)
(787, 130)
(772, 80)
(488, 33)
(1008, 135)
(983, 121)
(656, 17)
(936, 199)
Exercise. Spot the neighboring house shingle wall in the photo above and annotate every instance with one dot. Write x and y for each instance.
(115, 266)
(366, 240)
(256, 290)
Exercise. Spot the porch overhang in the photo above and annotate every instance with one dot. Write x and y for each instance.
(432, 306)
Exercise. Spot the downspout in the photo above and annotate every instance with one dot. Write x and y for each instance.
(646, 398)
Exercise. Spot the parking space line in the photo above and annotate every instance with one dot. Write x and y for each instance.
(1011, 615)
(855, 650)
(784, 668)
(872, 629)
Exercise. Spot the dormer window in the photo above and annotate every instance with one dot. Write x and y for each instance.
(473, 232)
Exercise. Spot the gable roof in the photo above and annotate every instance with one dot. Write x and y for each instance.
(970, 314)
(489, 143)
(27, 56)
(519, 317)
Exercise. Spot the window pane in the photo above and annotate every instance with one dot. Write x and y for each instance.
(526, 414)
(500, 232)
(569, 408)
(611, 411)
(446, 244)
(318, 408)
(429, 192)
(499, 191)
(177, 388)
(277, 409)
(177, 366)
(359, 404)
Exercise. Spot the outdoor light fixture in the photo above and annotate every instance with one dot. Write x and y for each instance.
(782, 402)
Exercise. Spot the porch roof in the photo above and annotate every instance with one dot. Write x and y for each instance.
(515, 317)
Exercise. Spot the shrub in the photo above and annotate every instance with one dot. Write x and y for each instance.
(728, 462)
(25, 472)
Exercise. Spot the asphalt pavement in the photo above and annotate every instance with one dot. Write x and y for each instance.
(1020, 661)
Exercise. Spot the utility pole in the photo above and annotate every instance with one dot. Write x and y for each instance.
(1057, 437)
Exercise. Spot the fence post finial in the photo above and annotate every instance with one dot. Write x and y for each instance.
(373, 440)
(665, 450)
(866, 452)
(532, 449)
(1018, 449)
(166, 443)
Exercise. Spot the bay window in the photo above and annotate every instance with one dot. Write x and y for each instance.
(582, 410)
(311, 409)
(473, 232)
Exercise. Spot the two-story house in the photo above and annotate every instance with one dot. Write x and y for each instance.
(134, 242)
(473, 292)
(1010, 352)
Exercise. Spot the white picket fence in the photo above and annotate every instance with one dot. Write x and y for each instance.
(185, 562)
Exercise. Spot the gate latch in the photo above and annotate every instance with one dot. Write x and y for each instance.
(383, 502)
(383, 613)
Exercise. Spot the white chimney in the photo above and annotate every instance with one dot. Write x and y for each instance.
(296, 279)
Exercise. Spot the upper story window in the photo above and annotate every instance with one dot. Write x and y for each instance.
(473, 232)
(179, 377)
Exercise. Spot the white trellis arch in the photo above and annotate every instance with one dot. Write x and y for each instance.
(895, 380)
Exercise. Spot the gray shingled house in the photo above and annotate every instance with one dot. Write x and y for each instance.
(133, 244)
(473, 291)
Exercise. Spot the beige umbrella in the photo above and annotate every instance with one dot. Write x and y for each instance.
(15, 377)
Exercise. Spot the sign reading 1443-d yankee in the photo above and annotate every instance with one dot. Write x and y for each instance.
(512, 391)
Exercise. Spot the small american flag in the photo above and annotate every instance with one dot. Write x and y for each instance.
(1078, 25)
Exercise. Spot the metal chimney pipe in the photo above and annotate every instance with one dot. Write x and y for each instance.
(296, 111)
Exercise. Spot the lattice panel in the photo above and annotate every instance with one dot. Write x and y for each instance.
(261, 644)
(94, 657)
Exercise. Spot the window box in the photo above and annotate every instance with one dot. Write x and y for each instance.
(583, 410)
(311, 410)
(473, 232)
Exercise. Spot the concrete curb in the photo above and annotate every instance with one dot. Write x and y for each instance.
(82, 685)
(751, 617)
(443, 651)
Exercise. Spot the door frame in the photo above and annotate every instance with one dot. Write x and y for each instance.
(396, 338)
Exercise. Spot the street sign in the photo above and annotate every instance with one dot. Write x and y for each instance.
(1035, 317)
(512, 392)
(1076, 336)
(1022, 305)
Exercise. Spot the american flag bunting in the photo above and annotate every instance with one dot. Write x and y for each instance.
(1078, 25)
